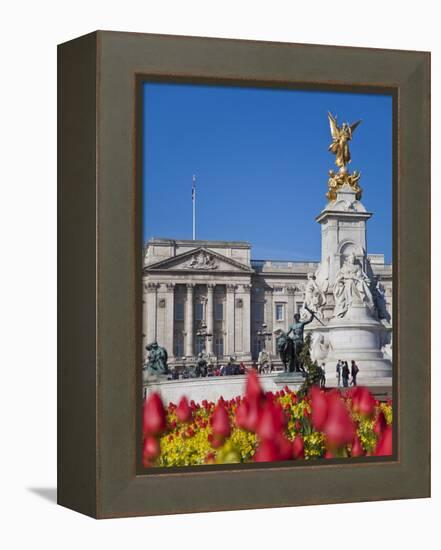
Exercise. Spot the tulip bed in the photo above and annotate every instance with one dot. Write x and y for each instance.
(266, 427)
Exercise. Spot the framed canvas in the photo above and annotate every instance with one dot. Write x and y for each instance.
(225, 324)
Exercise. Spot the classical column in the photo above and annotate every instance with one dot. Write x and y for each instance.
(246, 320)
(291, 290)
(189, 324)
(210, 316)
(269, 316)
(230, 344)
(144, 316)
(151, 328)
(169, 319)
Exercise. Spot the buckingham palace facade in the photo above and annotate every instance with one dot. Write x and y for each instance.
(189, 285)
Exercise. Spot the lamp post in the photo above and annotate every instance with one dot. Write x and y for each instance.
(203, 333)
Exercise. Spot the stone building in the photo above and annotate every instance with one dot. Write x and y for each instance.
(189, 285)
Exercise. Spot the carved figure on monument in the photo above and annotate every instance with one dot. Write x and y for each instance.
(339, 179)
(157, 359)
(202, 260)
(341, 136)
(315, 298)
(319, 347)
(379, 294)
(264, 361)
(352, 287)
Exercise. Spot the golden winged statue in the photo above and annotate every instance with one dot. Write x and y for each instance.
(341, 135)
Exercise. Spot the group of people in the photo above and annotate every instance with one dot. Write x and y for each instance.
(344, 373)
(203, 369)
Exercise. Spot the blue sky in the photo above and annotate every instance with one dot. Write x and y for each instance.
(261, 161)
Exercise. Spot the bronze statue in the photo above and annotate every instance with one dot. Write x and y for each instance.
(157, 360)
(201, 366)
(341, 135)
(294, 343)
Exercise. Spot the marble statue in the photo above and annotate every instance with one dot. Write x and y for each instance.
(157, 359)
(319, 347)
(352, 287)
(315, 298)
(202, 260)
(379, 295)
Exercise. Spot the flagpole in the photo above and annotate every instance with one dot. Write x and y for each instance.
(193, 196)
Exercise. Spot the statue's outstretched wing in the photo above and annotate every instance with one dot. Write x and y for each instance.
(353, 126)
(333, 126)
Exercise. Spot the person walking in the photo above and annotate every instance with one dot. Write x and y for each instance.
(354, 371)
(345, 374)
(338, 372)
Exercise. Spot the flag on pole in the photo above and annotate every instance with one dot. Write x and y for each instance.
(193, 199)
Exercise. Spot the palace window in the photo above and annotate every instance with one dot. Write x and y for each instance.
(219, 345)
(199, 311)
(280, 312)
(178, 344)
(179, 311)
(219, 311)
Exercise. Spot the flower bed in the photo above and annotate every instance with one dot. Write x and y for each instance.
(266, 427)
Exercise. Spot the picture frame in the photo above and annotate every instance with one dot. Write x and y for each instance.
(99, 405)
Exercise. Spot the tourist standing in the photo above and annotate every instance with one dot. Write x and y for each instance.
(354, 371)
(323, 376)
(345, 372)
(338, 372)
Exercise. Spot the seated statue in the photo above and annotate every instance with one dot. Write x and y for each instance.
(157, 360)
(352, 287)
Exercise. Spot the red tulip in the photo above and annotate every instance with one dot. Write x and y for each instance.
(319, 405)
(247, 414)
(271, 420)
(220, 421)
(155, 421)
(380, 424)
(339, 427)
(385, 444)
(266, 451)
(183, 411)
(284, 447)
(363, 401)
(150, 450)
(298, 447)
(357, 449)
(253, 389)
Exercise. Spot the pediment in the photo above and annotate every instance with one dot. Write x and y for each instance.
(199, 260)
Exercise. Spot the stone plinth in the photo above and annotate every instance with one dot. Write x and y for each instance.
(357, 336)
(214, 387)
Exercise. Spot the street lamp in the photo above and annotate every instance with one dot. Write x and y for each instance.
(203, 333)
